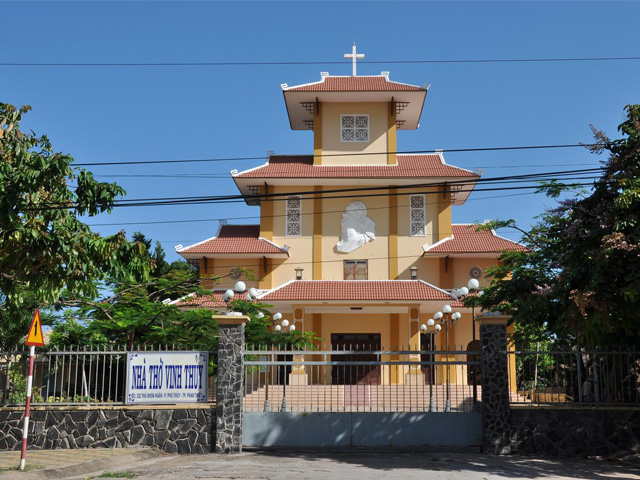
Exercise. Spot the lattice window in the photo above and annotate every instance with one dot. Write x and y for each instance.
(195, 264)
(294, 216)
(417, 216)
(354, 128)
(355, 270)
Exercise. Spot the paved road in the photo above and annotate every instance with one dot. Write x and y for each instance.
(367, 466)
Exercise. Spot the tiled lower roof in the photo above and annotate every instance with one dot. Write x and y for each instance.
(465, 239)
(409, 166)
(356, 290)
(211, 300)
(236, 239)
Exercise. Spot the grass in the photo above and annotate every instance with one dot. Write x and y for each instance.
(114, 475)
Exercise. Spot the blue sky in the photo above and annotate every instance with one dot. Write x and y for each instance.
(101, 114)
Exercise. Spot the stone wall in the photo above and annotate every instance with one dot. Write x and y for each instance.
(565, 432)
(496, 435)
(177, 430)
(230, 389)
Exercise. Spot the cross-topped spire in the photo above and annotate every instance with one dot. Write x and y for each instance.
(354, 56)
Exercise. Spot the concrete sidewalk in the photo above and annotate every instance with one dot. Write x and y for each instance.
(41, 464)
(345, 465)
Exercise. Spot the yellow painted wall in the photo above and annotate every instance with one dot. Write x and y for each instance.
(376, 252)
(461, 268)
(300, 254)
(378, 131)
(410, 248)
(220, 267)
(444, 213)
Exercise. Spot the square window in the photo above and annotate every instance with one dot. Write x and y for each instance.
(354, 128)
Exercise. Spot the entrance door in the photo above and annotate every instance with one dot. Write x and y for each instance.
(427, 344)
(355, 374)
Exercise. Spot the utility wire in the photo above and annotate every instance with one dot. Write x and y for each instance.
(327, 155)
(316, 62)
(207, 176)
(314, 194)
(213, 200)
(251, 217)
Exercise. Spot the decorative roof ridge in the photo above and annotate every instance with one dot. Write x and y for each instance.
(198, 243)
(504, 238)
(268, 292)
(437, 288)
(178, 300)
(324, 75)
(426, 247)
(274, 244)
(493, 232)
(235, 172)
(442, 160)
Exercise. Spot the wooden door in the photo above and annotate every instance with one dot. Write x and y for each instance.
(355, 374)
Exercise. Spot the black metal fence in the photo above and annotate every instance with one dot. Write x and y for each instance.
(578, 376)
(356, 380)
(74, 375)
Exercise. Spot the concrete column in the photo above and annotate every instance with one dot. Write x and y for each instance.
(230, 391)
(496, 412)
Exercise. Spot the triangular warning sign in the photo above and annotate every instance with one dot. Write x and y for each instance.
(34, 338)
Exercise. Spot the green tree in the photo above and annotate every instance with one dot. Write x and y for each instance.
(580, 278)
(44, 246)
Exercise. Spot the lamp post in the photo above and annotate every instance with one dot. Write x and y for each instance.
(448, 319)
(473, 285)
(284, 324)
(432, 328)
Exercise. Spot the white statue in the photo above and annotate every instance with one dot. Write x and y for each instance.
(357, 228)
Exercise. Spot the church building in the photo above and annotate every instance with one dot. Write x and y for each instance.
(355, 241)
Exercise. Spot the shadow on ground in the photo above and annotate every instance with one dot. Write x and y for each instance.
(512, 466)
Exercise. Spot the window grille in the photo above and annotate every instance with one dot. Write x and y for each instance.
(355, 270)
(354, 128)
(294, 216)
(417, 216)
(195, 263)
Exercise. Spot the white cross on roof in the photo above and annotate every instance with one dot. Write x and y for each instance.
(354, 56)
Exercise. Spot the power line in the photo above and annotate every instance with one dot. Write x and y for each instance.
(314, 194)
(327, 155)
(208, 176)
(199, 220)
(317, 62)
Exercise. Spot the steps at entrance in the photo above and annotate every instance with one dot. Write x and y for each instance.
(363, 398)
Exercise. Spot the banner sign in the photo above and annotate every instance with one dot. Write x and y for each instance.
(167, 377)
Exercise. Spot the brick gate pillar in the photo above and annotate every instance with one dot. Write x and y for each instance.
(229, 394)
(496, 412)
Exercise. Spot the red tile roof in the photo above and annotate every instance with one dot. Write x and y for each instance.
(236, 239)
(357, 290)
(212, 300)
(465, 239)
(363, 290)
(409, 166)
(375, 83)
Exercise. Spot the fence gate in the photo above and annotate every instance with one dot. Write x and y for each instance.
(371, 397)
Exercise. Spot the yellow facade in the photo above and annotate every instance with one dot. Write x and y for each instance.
(391, 256)
(375, 149)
